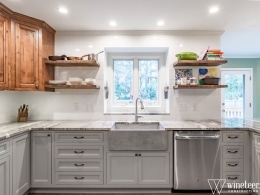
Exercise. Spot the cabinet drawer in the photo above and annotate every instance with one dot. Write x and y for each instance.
(232, 177)
(233, 151)
(233, 165)
(4, 147)
(79, 165)
(233, 137)
(79, 178)
(79, 152)
(79, 137)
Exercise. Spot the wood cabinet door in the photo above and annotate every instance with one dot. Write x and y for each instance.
(26, 57)
(154, 168)
(4, 40)
(41, 159)
(121, 168)
(21, 164)
(5, 176)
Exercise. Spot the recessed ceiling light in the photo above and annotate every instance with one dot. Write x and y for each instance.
(115, 37)
(90, 46)
(213, 9)
(154, 37)
(112, 23)
(181, 45)
(160, 23)
(63, 10)
(77, 49)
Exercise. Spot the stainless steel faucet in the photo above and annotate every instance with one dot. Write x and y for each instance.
(142, 107)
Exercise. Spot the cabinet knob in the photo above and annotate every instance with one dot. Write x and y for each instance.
(136, 154)
(48, 135)
(139, 155)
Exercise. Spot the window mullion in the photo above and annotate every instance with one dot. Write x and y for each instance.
(136, 78)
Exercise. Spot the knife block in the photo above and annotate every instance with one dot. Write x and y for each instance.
(22, 117)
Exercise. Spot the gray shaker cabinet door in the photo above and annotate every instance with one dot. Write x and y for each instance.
(21, 164)
(41, 159)
(5, 188)
(256, 168)
(121, 168)
(154, 168)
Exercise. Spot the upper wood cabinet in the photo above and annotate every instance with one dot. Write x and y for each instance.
(26, 57)
(33, 41)
(27, 42)
(5, 23)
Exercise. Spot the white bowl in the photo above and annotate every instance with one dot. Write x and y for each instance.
(75, 82)
(90, 81)
(75, 79)
(57, 82)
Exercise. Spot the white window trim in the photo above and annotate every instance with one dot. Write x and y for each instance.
(163, 104)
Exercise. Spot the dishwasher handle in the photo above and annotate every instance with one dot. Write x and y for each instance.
(197, 136)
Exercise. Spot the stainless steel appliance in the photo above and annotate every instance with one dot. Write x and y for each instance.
(196, 159)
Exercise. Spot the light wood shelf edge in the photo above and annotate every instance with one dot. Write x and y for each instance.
(48, 86)
(199, 86)
(72, 63)
(199, 63)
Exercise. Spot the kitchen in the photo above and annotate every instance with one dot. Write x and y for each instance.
(91, 105)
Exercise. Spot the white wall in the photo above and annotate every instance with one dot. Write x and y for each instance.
(185, 104)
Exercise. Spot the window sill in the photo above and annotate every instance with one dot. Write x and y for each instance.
(139, 113)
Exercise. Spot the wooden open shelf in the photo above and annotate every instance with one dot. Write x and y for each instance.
(199, 86)
(68, 63)
(48, 86)
(199, 62)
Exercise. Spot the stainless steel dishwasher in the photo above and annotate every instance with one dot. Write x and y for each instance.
(196, 159)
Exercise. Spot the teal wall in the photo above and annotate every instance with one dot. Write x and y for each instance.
(255, 65)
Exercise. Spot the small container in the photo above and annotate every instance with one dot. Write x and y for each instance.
(210, 81)
(183, 81)
(193, 81)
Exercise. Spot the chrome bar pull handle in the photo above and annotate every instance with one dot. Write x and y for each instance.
(79, 152)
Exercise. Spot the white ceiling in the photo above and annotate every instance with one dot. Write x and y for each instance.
(240, 19)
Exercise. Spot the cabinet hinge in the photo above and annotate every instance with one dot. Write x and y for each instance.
(250, 78)
(250, 105)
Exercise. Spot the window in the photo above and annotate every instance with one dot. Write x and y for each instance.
(132, 75)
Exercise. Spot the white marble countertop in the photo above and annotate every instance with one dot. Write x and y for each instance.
(15, 128)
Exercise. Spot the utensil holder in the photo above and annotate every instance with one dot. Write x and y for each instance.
(22, 117)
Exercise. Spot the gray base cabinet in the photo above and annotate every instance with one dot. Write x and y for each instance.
(5, 187)
(78, 159)
(235, 156)
(154, 168)
(122, 168)
(21, 164)
(41, 153)
(139, 168)
(256, 159)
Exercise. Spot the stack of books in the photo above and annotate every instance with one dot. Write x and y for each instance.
(214, 55)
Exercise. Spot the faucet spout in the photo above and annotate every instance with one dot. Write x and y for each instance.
(136, 110)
